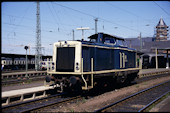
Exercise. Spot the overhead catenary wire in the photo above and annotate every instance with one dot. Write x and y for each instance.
(79, 12)
(46, 21)
(126, 11)
(67, 31)
(57, 17)
(20, 20)
(161, 8)
(51, 30)
(97, 17)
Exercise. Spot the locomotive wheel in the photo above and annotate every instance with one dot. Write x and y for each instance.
(48, 78)
(77, 88)
(75, 85)
(121, 79)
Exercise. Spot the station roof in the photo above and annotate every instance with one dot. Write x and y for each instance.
(9, 55)
(94, 36)
(168, 49)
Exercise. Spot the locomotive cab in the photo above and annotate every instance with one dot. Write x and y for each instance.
(107, 39)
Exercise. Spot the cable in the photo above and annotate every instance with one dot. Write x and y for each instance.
(76, 10)
(95, 17)
(41, 19)
(30, 27)
(125, 10)
(20, 20)
(161, 8)
(53, 15)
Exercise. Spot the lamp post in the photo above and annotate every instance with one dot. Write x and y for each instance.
(156, 57)
(26, 64)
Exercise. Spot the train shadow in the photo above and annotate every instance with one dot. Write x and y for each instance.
(98, 90)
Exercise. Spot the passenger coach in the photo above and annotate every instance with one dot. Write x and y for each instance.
(84, 64)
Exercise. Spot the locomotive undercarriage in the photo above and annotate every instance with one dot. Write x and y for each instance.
(77, 83)
(65, 83)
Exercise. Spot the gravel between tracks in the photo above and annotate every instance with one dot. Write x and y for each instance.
(90, 105)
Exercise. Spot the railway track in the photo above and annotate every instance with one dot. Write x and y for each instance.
(38, 104)
(15, 81)
(137, 101)
(154, 102)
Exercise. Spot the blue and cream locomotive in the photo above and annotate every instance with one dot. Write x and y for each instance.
(80, 65)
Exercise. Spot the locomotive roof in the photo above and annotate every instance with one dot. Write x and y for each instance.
(95, 36)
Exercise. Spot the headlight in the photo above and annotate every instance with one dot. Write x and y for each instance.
(77, 66)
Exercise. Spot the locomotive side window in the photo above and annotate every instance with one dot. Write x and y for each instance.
(93, 40)
(7, 62)
(120, 42)
(3, 62)
(109, 40)
(112, 40)
(15, 62)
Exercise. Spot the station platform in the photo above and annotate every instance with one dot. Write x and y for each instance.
(165, 105)
(24, 91)
(6, 96)
(144, 72)
(21, 93)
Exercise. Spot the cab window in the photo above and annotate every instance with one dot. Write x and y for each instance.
(120, 42)
(109, 40)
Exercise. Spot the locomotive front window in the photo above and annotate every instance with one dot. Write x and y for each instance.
(65, 59)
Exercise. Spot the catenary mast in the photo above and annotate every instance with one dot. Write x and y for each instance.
(38, 55)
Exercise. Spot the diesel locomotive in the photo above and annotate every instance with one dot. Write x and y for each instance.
(82, 65)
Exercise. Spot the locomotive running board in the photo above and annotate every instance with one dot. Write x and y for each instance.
(95, 72)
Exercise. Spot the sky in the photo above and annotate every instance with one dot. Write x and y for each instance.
(59, 19)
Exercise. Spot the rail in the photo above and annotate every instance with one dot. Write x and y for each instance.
(129, 97)
(157, 100)
(16, 106)
(42, 106)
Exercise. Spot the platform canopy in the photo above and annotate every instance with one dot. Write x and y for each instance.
(167, 49)
(167, 52)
